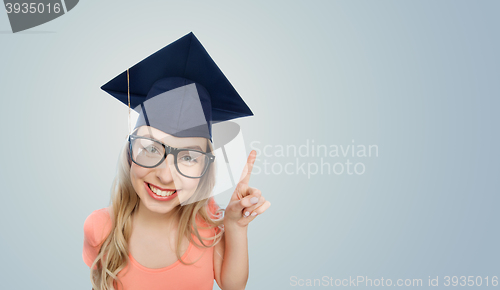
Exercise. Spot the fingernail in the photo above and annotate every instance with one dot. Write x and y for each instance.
(254, 213)
(254, 199)
(247, 213)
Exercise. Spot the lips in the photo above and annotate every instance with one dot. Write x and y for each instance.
(160, 191)
(161, 194)
(163, 189)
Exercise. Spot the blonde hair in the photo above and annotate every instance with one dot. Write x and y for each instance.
(113, 254)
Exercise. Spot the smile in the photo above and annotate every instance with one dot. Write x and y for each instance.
(160, 192)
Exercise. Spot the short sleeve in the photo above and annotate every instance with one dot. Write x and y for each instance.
(95, 229)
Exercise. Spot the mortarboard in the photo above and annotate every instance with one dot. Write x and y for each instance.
(179, 90)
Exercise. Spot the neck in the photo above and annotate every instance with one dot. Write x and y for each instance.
(153, 220)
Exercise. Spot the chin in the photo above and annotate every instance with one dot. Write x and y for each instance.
(160, 208)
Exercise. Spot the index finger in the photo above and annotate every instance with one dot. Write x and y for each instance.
(247, 171)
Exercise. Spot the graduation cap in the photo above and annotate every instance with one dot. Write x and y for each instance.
(179, 90)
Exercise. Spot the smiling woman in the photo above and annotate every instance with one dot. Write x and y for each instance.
(145, 224)
(163, 227)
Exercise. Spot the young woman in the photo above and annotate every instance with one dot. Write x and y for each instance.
(163, 230)
(145, 227)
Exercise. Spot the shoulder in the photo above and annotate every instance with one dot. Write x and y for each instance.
(210, 209)
(213, 210)
(212, 206)
(97, 226)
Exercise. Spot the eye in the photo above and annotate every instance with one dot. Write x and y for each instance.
(188, 158)
(151, 149)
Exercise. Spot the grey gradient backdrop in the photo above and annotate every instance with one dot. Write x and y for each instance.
(420, 79)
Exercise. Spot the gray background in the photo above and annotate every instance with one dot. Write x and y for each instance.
(417, 78)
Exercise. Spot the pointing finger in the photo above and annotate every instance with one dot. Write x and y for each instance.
(247, 171)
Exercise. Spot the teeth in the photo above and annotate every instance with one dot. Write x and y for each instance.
(161, 192)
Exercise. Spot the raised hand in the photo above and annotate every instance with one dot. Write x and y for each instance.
(246, 202)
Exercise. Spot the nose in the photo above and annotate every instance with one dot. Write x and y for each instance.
(165, 170)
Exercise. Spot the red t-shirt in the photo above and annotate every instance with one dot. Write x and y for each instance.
(199, 275)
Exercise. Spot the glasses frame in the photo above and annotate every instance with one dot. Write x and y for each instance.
(170, 150)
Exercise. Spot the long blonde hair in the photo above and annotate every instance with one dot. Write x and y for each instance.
(113, 254)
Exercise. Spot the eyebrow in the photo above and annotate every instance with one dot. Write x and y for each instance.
(187, 147)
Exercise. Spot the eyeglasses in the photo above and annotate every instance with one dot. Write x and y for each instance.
(149, 153)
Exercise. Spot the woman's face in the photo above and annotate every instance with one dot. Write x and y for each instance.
(162, 188)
